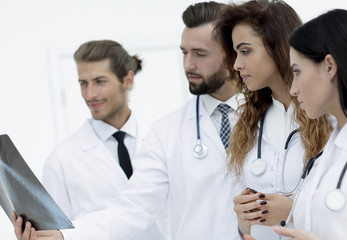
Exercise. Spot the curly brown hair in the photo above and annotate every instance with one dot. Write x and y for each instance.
(273, 21)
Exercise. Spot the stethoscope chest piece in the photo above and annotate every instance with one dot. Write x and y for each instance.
(200, 150)
(258, 166)
(335, 200)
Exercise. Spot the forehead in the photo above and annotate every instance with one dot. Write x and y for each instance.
(243, 32)
(198, 38)
(94, 69)
(296, 57)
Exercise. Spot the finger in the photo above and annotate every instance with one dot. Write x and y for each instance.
(256, 215)
(284, 231)
(242, 199)
(254, 206)
(247, 191)
(14, 217)
(27, 231)
(33, 234)
(248, 237)
(18, 227)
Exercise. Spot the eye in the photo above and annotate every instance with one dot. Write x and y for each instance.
(83, 83)
(200, 54)
(296, 72)
(184, 52)
(244, 51)
(99, 81)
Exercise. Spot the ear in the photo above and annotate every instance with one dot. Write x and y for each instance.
(331, 66)
(128, 80)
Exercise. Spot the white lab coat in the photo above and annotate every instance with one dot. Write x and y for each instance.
(311, 212)
(281, 173)
(199, 190)
(82, 175)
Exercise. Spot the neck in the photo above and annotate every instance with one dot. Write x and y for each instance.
(341, 119)
(281, 95)
(225, 92)
(119, 119)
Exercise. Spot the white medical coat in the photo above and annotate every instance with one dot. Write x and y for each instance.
(311, 212)
(82, 175)
(281, 173)
(199, 190)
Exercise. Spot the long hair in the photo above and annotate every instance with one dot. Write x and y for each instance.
(120, 61)
(326, 34)
(273, 21)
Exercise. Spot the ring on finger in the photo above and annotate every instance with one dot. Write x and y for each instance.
(243, 216)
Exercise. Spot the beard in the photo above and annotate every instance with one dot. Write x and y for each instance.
(209, 84)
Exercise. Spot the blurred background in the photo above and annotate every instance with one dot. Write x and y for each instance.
(39, 93)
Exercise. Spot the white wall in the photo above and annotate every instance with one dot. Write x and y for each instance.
(39, 96)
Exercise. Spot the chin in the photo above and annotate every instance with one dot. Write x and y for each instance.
(313, 115)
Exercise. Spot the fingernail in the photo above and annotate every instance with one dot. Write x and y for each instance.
(263, 202)
(262, 220)
(262, 195)
(252, 190)
(265, 212)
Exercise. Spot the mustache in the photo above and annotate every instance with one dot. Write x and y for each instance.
(93, 101)
(194, 74)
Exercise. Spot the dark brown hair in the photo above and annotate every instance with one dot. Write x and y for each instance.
(120, 61)
(273, 21)
(201, 13)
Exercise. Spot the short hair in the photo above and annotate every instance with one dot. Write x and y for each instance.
(120, 61)
(326, 34)
(201, 13)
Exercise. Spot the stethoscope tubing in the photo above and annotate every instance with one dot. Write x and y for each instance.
(197, 119)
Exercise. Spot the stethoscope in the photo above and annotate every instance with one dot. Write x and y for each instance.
(334, 200)
(199, 150)
(258, 166)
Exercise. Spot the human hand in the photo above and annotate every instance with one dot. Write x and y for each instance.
(249, 211)
(248, 237)
(30, 233)
(277, 207)
(296, 234)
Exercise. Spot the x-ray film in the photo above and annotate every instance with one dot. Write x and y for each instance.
(22, 192)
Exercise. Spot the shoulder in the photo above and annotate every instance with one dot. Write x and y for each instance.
(84, 134)
(178, 115)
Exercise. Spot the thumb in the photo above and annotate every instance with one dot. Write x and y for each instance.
(284, 231)
(248, 237)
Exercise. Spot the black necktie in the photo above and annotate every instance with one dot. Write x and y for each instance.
(123, 155)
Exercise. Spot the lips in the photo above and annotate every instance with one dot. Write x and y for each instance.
(95, 105)
(244, 77)
(193, 77)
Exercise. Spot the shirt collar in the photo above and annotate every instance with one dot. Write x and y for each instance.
(211, 103)
(340, 140)
(105, 130)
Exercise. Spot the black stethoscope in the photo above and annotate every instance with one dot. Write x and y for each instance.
(334, 200)
(258, 166)
(199, 150)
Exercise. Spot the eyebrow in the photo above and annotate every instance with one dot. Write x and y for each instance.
(293, 65)
(94, 79)
(195, 49)
(242, 44)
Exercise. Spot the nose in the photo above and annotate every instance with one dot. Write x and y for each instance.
(189, 63)
(238, 65)
(294, 90)
(89, 92)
